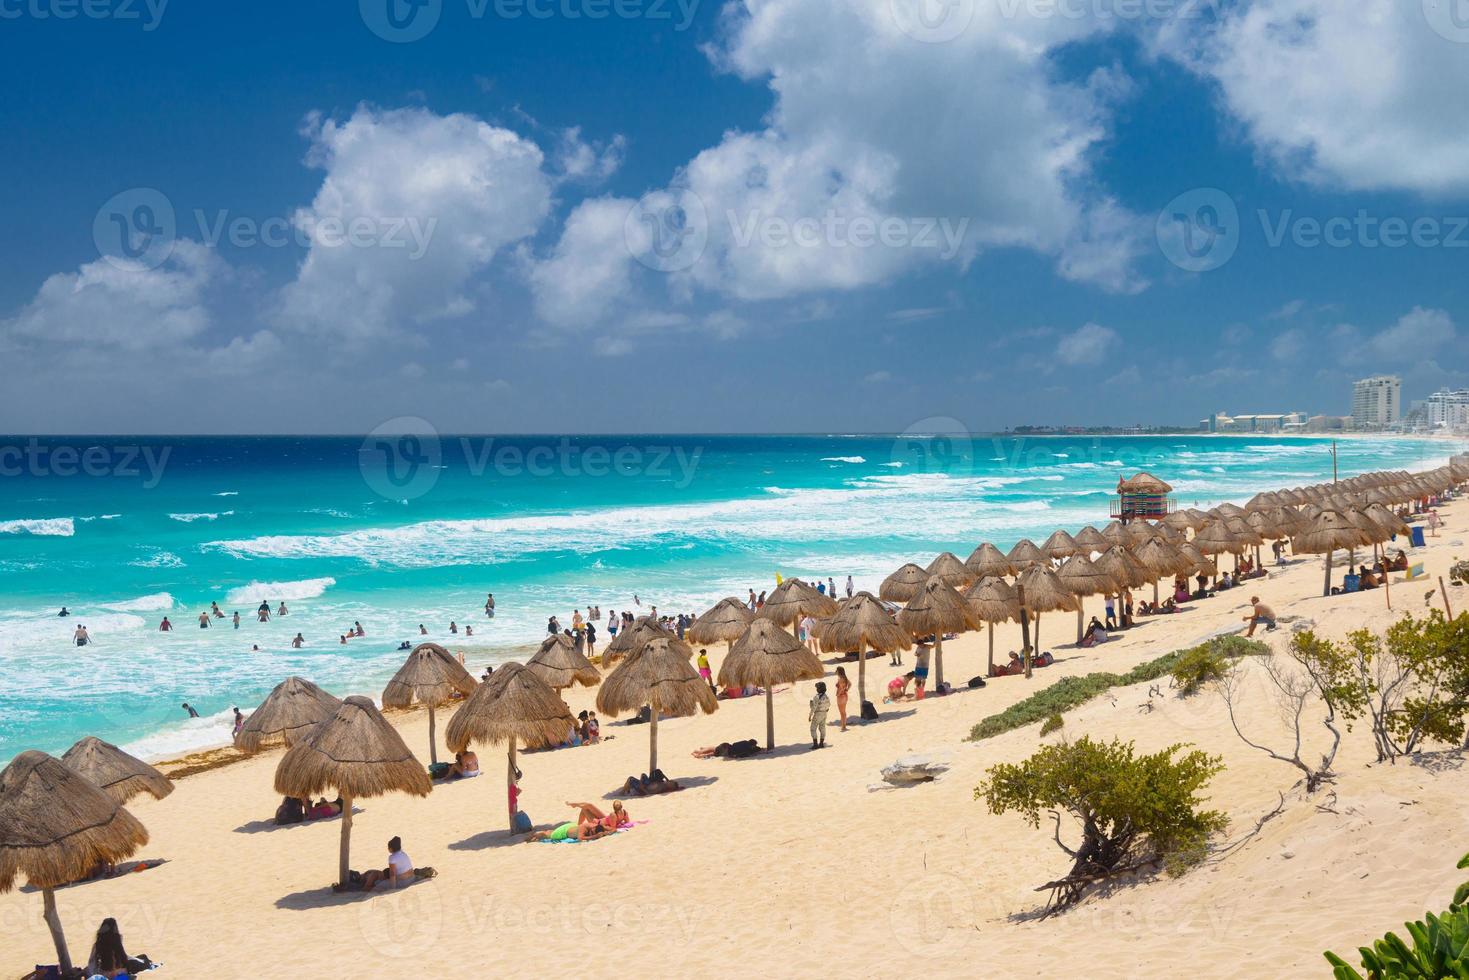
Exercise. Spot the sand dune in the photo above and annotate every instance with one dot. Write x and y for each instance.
(788, 865)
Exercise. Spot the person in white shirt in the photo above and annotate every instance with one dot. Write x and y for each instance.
(808, 632)
(399, 869)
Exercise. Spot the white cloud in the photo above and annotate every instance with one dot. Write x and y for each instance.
(583, 160)
(1089, 344)
(1363, 95)
(1417, 335)
(438, 197)
(878, 377)
(851, 143)
(243, 355)
(113, 303)
(1288, 345)
(589, 271)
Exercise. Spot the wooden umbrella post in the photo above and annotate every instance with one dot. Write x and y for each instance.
(344, 858)
(53, 922)
(1326, 589)
(433, 748)
(512, 803)
(769, 718)
(1024, 628)
(938, 659)
(861, 675)
(653, 733)
(1445, 593)
(991, 671)
(1080, 619)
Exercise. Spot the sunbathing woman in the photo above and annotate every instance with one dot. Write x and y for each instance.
(653, 784)
(465, 766)
(591, 814)
(742, 749)
(570, 831)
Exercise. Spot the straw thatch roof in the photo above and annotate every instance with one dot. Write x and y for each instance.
(1242, 530)
(1141, 532)
(1044, 590)
(1328, 532)
(1115, 534)
(1228, 509)
(110, 769)
(724, 623)
(1161, 559)
(948, 567)
(1123, 568)
(863, 623)
(1082, 577)
(937, 608)
(56, 826)
(903, 584)
(1373, 532)
(987, 560)
(1217, 538)
(1061, 545)
(1179, 519)
(1387, 520)
(644, 630)
(1200, 561)
(1266, 500)
(514, 703)
(1143, 483)
(767, 655)
(658, 673)
(1090, 540)
(289, 713)
(357, 753)
(793, 599)
(992, 600)
(430, 675)
(1025, 554)
(560, 664)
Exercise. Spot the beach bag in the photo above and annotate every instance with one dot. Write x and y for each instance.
(869, 712)
(976, 682)
(522, 822)
(438, 770)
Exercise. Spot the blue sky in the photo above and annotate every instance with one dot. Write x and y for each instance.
(868, 214)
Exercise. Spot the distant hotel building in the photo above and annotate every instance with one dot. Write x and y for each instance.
(1288, 422)
(1377, 402)
(1448, 409)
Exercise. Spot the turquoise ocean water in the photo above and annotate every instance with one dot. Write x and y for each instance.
(416, 529)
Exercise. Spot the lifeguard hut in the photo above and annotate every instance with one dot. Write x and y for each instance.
(1143, 497)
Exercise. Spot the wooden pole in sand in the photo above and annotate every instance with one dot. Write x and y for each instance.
(344, 858)
(433, 748)
(653, 733)
(53, 922)
(991, 671)
(769, 718)
(1024, 628)
(861, 675)
(1445, 593)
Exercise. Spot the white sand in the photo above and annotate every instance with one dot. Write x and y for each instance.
(788, 865)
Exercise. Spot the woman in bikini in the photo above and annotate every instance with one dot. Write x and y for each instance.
(592, 814)
(570, 831)
(843, 687)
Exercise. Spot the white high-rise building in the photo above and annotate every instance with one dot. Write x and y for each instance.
(1448, 409)
(1377, 402)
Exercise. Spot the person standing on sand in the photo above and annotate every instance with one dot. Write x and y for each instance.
(849, 586)
(704, 670)
(591, 632)
(1111, 611)
(820, 705)
(920, 671)
(844, 686)
(239, 723)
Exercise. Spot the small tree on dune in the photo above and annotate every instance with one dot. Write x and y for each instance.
(1134, 812)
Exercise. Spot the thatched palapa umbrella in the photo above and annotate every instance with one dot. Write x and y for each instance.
(1025, 554)
(765, 656)
(110, 769)
(1162, 559)
(56, 827)
(953, 571)
(561, 665)
(660, 676)
(860, 624)
(1061, 545)
(644, 630)
(1328, 532)
(433, 677)
(903, 584)
(1043, 592)
(724, 623)
(1091, 542)
(936, 609)
(1083, 578)
(793, 600)
(992, 600)
(514, 706)
(987, 560)
(289, 713)
(357, 753)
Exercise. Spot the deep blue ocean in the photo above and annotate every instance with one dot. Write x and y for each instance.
(415, 529)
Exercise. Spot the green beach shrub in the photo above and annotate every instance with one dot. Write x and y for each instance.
(1197, 667)
(1439, 947)
(1052, 724)
(1071, 692)
(1133, 811)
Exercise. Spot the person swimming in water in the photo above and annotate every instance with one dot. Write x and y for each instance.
(81, 636)
(64, 612)
(190, 709)
(298, 642)
(165, 626)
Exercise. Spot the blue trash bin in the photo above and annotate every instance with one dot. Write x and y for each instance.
(1418, 535)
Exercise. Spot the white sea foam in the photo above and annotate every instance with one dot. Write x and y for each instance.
(191, 518)
(159, 559)
(843, 459)
(895, 465)
(50, 527)
(228, 493)
(148, 603)
(308, 588)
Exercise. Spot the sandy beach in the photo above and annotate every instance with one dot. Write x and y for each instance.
(790, 864)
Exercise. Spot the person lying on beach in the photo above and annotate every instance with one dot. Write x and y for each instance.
(742, 749)
(589, 813)
(571, 831)
(466, 766)
(324, 808)
(654, 784)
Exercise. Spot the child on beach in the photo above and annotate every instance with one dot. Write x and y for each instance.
(704, 670)
(820, 705)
